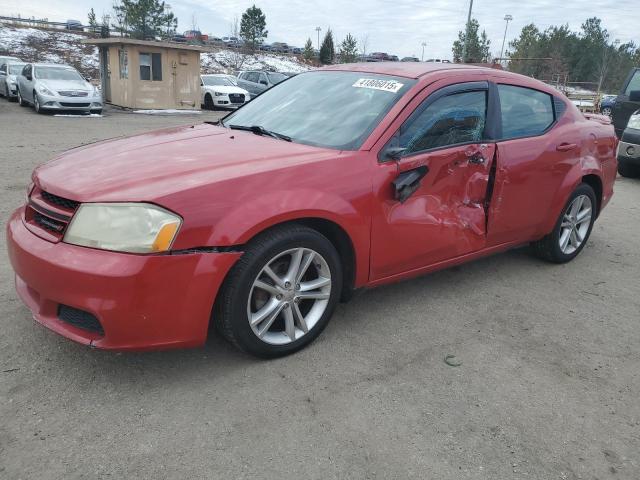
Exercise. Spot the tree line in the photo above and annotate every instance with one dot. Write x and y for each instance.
(589, 58)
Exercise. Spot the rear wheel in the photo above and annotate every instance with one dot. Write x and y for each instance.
(572, 230)
(281, 294)
(606, 111)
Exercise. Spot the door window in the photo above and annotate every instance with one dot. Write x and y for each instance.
(525, 112)
(26, 71)
(263, 79)
(634, 83)
(251, 77)
(455, 119)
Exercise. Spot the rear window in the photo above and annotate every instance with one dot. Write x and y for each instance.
(525, 112)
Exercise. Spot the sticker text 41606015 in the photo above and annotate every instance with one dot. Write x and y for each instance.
(378, 84)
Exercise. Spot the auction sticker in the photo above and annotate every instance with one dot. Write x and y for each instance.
(376, 84)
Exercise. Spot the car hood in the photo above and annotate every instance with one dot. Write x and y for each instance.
(226, 89)
(55, 85)
(154, 165)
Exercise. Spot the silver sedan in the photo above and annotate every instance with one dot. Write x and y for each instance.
(51, 87)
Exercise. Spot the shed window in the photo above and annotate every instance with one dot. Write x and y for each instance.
(151, 66)
(124, 63)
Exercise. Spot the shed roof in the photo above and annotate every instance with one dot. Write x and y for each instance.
(147, 43)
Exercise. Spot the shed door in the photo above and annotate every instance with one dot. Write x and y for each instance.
(104, 74)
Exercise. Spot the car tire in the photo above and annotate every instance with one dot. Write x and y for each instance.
(36, 103)
(262, 314)
(606, 111)
(208, 102)
(21, 100)
(628, 171)
(572, 229)
(95, 112)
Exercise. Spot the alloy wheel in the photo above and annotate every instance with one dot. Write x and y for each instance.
(606, 111)
(575, 224)
(289, 296)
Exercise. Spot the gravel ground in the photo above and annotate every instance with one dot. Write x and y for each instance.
(548, 387)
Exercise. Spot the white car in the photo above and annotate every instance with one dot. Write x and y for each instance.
(219, 92)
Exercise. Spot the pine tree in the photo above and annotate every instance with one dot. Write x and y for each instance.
(327, 50)
(308, 53)
(252, 27)
(144, 18)
(93, 23)
(349, 49)
(477, 47)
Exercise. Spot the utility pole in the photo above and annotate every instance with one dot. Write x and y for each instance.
(318, 30)
(507, 19)
(466, 35)
(424, 44)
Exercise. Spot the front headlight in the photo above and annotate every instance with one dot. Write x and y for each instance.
(219, 94)
(44, 90)
(123, 227)
(634, 121)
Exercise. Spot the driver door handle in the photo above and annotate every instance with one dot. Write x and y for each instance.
(565, 147)
(477, 159)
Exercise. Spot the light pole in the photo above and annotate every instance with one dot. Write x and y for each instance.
(318, 30)
(507, 18)
(466, 35)
(424, 44)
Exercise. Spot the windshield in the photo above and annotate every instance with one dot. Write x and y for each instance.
(277, 77)
(16, 68)
(57, 73)
(219, 81)
(327, 109)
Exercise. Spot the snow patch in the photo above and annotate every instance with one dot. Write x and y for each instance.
(168, 112)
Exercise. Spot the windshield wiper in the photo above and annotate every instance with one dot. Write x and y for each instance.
(258, 130)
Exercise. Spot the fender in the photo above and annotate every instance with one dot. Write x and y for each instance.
(240, 224)
(588, 165)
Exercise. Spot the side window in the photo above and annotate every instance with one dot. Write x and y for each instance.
(634, 83)
(150, 66)
(123, 60)
(263, 79)
(525, 112)
(451, 120)
(26, 70)
(251, 77)
(3, 68)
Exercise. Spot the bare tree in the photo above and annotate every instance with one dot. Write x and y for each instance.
(364, 43)
(237, 56)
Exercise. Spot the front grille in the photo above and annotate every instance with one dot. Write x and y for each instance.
(73, 93)
(59, 201)
(79, 318)
(48, 223)
(236, 97)
(67, 104)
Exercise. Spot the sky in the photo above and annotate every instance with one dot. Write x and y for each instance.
(397, 27)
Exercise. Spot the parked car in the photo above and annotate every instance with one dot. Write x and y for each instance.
(265, 47)
(629, 148)
(410, 59)
(219, 92)
(280, 47)
(378, 57)
(75, 25)
(296, 50)
(9, 72)
(233, 42)
(256, 82)
(341, 178)
(5, 59)
(49, 87)
(394, 58)
(627, 102)
(438, 60)
(178, 38)
(606, 104)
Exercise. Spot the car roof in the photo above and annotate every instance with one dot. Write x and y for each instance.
(403, 69)
(50, 64)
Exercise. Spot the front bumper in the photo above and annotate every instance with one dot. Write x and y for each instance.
(142, 302)
(629, 147)
(57, 102)
(225, 102)
(12, 91)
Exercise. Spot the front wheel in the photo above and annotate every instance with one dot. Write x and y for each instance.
(21, 100)
(282, 292)
(36, 103)
(572, 230)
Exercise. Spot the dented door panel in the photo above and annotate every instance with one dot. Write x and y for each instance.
(444, 218)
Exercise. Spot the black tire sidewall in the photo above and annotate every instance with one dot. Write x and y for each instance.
(583, 189)
(244, 279)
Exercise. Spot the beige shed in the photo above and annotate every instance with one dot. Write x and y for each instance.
(144, 74)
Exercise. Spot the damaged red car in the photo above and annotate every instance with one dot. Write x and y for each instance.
(342, 178)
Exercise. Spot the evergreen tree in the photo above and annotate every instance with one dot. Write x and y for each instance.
(252, 27)
(477, 46)
(93, 23)
(144, 18)
(308, 53)
(349, 49)
(327, 50)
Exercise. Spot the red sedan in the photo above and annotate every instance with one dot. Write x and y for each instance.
(348, 177)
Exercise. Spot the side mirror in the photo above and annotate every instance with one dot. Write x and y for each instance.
(634, 96)
(264, 82)
(29, 77)
(394, 153)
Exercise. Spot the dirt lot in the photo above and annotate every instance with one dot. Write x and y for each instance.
(548, 387)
